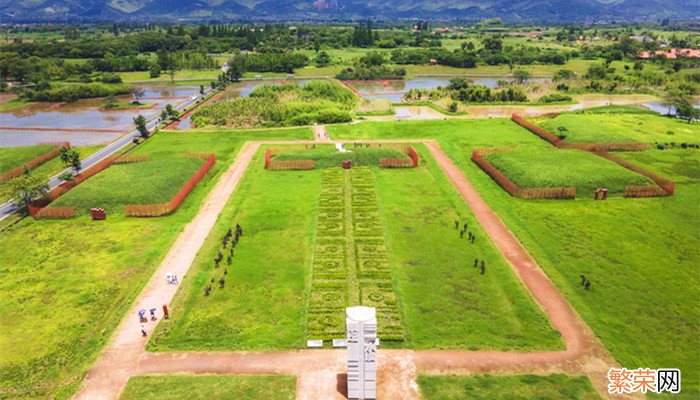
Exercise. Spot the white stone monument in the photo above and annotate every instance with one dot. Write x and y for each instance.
(361, 323)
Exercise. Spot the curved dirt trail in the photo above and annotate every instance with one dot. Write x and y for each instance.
(320, 373)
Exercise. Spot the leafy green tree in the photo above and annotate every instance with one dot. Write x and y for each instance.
(686, 110)
(322, 59)
(140, 123)
(373, 59)
(493, 44)
(66, 176)
(564, 74)
(521, 75)
(154, 70)
(26, 188)
(110, 102)
(673, 98)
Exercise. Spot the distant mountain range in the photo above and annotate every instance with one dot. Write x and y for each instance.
(329, 10)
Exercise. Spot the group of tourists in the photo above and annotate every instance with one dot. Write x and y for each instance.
(471, 237)
(585, 282)
(144, 319)
(231, 236)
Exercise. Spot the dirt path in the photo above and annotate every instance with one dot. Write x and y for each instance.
(320, 373)
(320, 134)
(108, 376)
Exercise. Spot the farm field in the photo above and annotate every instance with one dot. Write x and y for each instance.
(205, 387)
(504, 387)
(628, 248)
(620, 125)
(60, 324)
(154, 181)
(48, 169)
(565, 168)
(443, 301)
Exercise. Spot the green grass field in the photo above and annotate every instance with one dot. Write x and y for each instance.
(325, 156)
(154, 181)
(206, 387)
(48, 169)
(68, 290)
(640, 254)
(507, 387)
(529, 168)
(597, 125)
(13, 157)
(443, 301)
(262, 304)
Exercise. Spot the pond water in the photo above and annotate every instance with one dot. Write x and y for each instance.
(83, 120)
(662, 109)
(393, 90)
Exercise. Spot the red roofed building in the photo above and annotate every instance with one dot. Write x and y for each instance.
(671, 54)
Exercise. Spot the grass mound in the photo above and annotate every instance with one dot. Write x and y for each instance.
(329, 156)
(149, 182)
(615, 124)
(585, 171)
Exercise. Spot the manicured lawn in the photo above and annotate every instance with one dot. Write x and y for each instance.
(48, 169)
(67, 283)
(206, 387)
(443, 301)
(530, 168)
(13, 157)
(155, 181)
(640, 254)
(601, 126)
(506, 387)
(325, 156)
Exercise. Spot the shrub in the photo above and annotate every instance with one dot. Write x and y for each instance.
(555, 98)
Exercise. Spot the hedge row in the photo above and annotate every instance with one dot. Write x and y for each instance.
(606, 146)
(668, 186)
(132, 158)
(36, 206)
(553, 139)
(396, 163)
(478, 156)
(290, 165)
(55, 213)
(644, 191)
(31, 164)
(157, 210)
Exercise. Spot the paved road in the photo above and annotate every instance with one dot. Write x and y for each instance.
(8, 208)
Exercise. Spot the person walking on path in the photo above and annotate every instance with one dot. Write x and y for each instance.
(144, 332)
